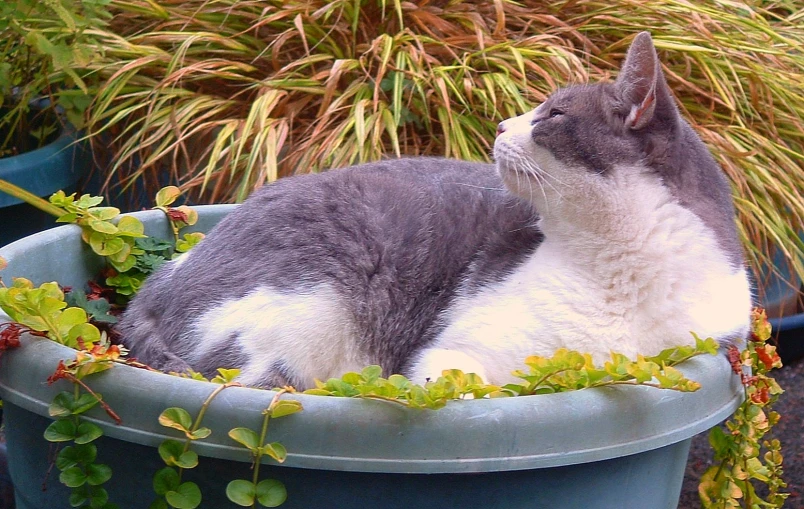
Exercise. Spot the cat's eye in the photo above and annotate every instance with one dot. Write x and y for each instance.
(551, 114)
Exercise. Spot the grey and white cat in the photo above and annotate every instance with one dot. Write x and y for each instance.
(607, 226)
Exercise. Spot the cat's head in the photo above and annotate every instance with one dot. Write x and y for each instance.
(589, 145)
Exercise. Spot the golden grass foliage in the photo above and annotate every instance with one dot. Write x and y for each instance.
(229, 94)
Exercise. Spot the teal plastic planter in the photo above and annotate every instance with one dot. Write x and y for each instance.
(623, 447)
(58, 165)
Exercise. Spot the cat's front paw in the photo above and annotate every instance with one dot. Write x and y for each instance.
(434, 361)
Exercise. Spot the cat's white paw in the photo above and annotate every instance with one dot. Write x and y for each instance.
(433, 361)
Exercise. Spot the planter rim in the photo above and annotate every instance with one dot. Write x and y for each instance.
(373, 436)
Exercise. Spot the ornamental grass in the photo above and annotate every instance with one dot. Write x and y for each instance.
(227, 95)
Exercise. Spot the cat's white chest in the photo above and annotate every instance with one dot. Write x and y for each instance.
(633, 297)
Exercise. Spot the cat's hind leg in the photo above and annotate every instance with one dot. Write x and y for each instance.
(282, 337)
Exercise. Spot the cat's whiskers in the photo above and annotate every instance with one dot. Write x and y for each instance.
(545, 178)
(541, 177)
(480, 187)
(525, 166)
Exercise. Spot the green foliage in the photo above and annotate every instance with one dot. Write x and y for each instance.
(177, 456)
(77, 462)
(740, 463)
(568, 370)
(224, 376)
(305, 85)
(45, 48)
(565, 371)
(113, 241)
(44, 309)
(96, 309)
(268, 492)
(122, 241)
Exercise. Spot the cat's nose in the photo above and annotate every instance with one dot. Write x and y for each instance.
(500, 128)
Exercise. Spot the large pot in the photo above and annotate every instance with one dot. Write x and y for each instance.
(623, 447)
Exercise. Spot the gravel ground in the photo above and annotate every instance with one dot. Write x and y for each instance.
(790, 431)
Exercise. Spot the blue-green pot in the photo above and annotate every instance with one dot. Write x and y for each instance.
(623, 447)
(58, 165)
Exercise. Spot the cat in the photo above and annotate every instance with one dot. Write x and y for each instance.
(605, 226)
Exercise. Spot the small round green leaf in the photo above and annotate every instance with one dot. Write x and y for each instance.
(67, 218)
(166, 479)
(176, 418)
(77, 498)
(125, 265)
(271, 493)
(167, 195)
(99, 497)
(188, 459)
(371, 373)
(200, 433)
(71, 456)
(73, 477)
(104, 213)
(62, 405)
(130, 226)
(84, 402)
(86, 331)
(170, 451)
(98, 474)
(241, 492)
(275, 450)
(101, 226)
(87, 432)
(105, 244)
(285, 407)
(62, 430)
(187, 496)
(246, 437)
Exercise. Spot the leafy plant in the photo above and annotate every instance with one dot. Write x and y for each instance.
(45, 48)
(224, 96)
(113, 241)
(120, 239)
(565, 371)
(43, 309)
(739, 460)
(79, 470)
(178, 457)
(266, 492)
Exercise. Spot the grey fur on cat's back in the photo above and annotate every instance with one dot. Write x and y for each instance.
(395, 238)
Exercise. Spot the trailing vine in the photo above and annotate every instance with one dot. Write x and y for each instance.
(76, 462)
(566, 370)
(266, 492)
(744, 457)
(168, 485)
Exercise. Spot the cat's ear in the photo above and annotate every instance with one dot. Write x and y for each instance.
(639, 81)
